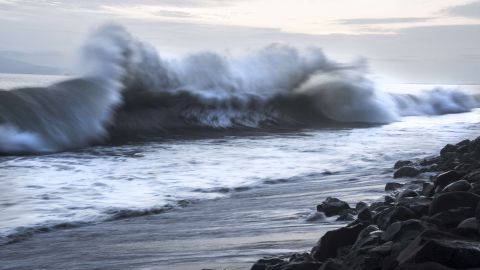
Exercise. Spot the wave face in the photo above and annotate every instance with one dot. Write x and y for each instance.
(126, 89)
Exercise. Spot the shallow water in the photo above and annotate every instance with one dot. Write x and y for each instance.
(272, 180)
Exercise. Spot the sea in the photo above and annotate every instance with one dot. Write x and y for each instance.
(221, 166)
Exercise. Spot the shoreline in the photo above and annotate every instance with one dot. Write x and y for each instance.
(423, 223)
(230, 233)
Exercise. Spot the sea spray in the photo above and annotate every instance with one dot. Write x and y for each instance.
(125, 88)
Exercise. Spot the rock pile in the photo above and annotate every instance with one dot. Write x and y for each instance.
(422, 224)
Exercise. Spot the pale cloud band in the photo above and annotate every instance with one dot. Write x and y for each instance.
(471, 10)
(384, 20)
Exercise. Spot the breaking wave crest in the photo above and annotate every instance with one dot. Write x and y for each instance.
(126, 89)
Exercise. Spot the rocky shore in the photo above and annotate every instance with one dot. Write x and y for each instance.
(430, 219)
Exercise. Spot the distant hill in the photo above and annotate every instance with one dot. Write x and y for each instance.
(48, 63)
(16, 66)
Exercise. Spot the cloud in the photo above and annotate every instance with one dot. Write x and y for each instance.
(383, 20)
(471, 10)
(173, 14)
(98, 3)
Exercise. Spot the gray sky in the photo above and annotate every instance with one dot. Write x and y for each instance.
(422, 41)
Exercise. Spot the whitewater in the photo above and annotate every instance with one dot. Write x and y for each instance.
(125, 89)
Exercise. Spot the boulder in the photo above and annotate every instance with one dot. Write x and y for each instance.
(365, 215)
(301, 257)
(268, 263)
(332, 241)
(392, 186)
(460, 185)
(299, 266)
(383, 249)
(407, 193)
(403, 230)
(346, 217)
(419, 205)
(402, 163)
(443, 248)
(477, 216)
(360, 206)
(473, 176)
(427, 189)
(348, 211)
(451, 200)
(332, 206)
(446, 178)
(468, 224)
(449, 148)
(381, 218)
(389, 199)
(332, 264)
(451, 218)
(465, 142)
(376, 205)
(406, 171)
(422, 266)
(401, 213)
(463, 149)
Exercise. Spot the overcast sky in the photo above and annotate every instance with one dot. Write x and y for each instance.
(430, 41)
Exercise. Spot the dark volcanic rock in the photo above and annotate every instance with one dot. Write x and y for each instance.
(452, 217)
(449, 148)
(423, 266)
(477, 216)
(389, 199)
(375, 206)
(332, 264)
(407, 193)
(403, 230)
(460, 185)
(473, 176)
(465, 142)
(346, 217)
(392, 186)
(419, 205)
(468, 224)
(299, 266)
(406, 171)
(447, 178)
(268, 263)
(451, 200)
(301, 257)
(401, 213)
(365, 215)
(427, 189)
(332, 241)
(402, 163)
(360, 206)
(442, 248)
(332, 206)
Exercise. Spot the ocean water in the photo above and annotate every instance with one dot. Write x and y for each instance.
(202, 160)
(99, 183)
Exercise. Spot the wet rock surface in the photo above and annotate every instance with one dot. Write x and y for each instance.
(332, 206)
(432, 222)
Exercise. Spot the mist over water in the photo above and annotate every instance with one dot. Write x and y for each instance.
(126, 89)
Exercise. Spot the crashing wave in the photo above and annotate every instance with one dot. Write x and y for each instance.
(125, 88)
